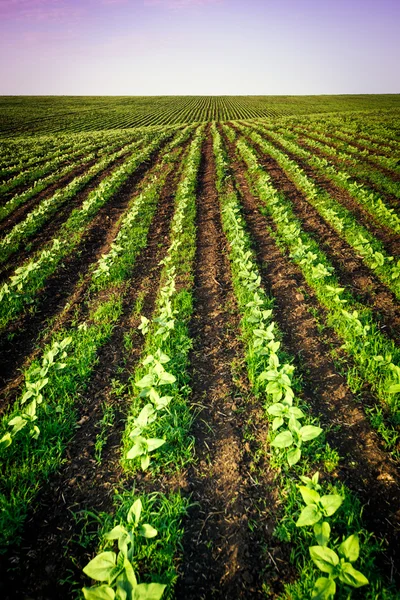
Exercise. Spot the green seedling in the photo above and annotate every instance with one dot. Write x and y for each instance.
(337, 566)
(115, 571)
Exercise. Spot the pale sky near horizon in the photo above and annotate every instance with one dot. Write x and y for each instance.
(205, 47)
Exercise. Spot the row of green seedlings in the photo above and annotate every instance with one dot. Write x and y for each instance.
(376, 358)
(22, 287)
(335, 214)
(342, 177)
(354, 171)
(41, 184)
(35, 155)
(273, 378)
(24, 153)
(52, 166)
(379, 140)
(159, 416)
(42, 421)
(347, 150)
(40, 215)
(377, 136)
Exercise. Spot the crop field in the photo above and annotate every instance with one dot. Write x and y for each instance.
(199, 337)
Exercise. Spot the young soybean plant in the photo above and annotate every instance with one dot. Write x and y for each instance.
(337, 565)
(115, 571)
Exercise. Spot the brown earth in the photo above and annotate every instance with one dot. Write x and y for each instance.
(222, 556)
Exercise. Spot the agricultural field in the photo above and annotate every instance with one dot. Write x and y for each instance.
(199, 335)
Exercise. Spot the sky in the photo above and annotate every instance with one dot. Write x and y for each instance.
(199, 47)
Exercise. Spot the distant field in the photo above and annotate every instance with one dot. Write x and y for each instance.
(57, 114)
(205, 316)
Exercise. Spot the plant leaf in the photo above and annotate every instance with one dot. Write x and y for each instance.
(331, 503)
(322, 532)
(309, 432)
(103, 592)
(147, 531)
(148, 591)
(283, 440)
(309, 496)
(293, 456)
(324, 589)
(309, 516)
(325, 558)
(154, 443)
(135, 511)
(352, 577)
(101, 568)
(350, 548)
(276, 423)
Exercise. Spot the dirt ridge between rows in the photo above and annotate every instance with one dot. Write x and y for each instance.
(221, 557)
(366, 468)
(82, 483)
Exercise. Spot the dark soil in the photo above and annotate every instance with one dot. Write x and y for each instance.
(365, 466)
(83, 483)
(222, 556)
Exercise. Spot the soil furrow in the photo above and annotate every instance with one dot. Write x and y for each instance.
(366, 468)
(351, 270)
(221, 555)
(66, 287)
(49, 229)
(83, 483)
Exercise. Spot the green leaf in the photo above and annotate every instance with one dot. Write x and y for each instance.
(116, 533)
(146, 381)
(148, 591)
(309, 516)
(134, 512)
(147, 531)
(309, 496)
(296, 412)
(283, 440)
(276, 410)
(101, 568)
(352, 577)
(331, 503)
(325, 558)
(144, 462)
(322, 532)
(350, 548)
(324, 589)
(103, 592)
(309, 432)
(17, 423)
(293, 456)
(276, 423)
(154, 443)
(6, 440)
(137, 449)
(394, 389)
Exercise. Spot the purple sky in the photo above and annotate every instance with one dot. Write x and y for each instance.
(155, 47)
